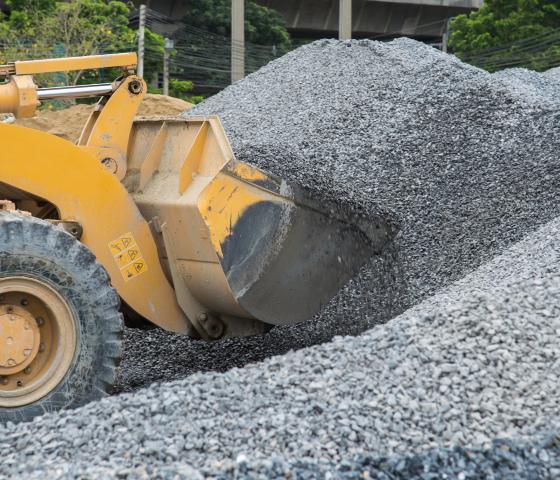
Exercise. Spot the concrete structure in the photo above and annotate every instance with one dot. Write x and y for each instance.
(237, 40)
(421, 19)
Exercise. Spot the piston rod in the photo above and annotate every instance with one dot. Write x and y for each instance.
(77, 91)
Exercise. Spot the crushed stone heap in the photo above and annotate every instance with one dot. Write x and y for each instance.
(462, 161)
(465, 164)
(479, 360)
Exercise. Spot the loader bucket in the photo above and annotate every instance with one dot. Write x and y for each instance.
(283, 254)
(240, 245)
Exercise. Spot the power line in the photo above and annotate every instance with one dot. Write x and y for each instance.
(529, 51)
(506, 46)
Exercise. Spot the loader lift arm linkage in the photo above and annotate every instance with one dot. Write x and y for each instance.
(192, 239)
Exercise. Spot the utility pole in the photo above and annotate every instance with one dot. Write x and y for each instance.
(141, 35)
(345, 20)
(237, 40)
(445, 36)
(168, 46)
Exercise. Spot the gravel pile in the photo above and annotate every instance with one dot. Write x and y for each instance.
(534, 87)
(504, 459)
(553, 73)
(462, 161)
(478, 360)
(465, 164)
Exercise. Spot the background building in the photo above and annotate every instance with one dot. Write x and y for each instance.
(422, 19)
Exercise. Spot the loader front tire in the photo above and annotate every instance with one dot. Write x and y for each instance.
(60, 324)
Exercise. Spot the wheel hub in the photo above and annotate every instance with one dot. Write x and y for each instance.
(37, 340)
(19, 339)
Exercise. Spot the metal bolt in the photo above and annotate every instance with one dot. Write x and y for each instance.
(41, 347)
(19, 383)
(110, 164)
(40, 321)
(203, 317)
(27, 370)
(24, 302)
(216, 328)
(135, 87)
(4, 381)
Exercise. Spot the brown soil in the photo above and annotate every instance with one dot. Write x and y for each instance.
(68, 123)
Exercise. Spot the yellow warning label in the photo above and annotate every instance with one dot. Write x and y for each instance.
(121, 243)
(134, 269)
(128, 256)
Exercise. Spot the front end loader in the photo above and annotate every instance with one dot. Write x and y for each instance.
(156, 216)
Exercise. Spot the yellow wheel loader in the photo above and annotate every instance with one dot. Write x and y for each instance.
(155, 215)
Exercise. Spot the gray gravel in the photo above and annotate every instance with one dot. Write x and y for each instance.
(462, 161)
(466, 164)
(504, 459)
(535, 87)
(553, 73)
(478, 360)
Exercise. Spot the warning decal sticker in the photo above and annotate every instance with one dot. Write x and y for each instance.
(128, 256)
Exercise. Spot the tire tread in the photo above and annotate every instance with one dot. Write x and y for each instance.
(28, 235)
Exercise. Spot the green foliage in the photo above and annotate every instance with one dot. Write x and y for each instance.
(153, 43)
(180, 89)
(24, 13)
(208, 44)
(46, 28)
(263, 26)
(504, 26)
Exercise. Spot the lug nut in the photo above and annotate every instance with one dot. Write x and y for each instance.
(40, 321)
(203, 317)
(27, 370)
(4, 381)
(41, 347)
(19, 383)
(24, 302)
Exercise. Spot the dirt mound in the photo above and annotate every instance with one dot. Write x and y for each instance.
(68, 123)
(156, 105)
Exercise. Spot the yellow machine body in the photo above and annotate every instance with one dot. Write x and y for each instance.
(193, 240)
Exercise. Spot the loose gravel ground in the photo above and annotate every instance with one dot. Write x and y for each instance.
(464, 162)
(478, 360)
(503, 459)
(553, 73)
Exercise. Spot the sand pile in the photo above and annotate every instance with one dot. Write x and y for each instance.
(68, 123)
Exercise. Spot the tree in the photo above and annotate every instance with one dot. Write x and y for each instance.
(204, 48)
(263, 26)
(504, 33)
(43, 28)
